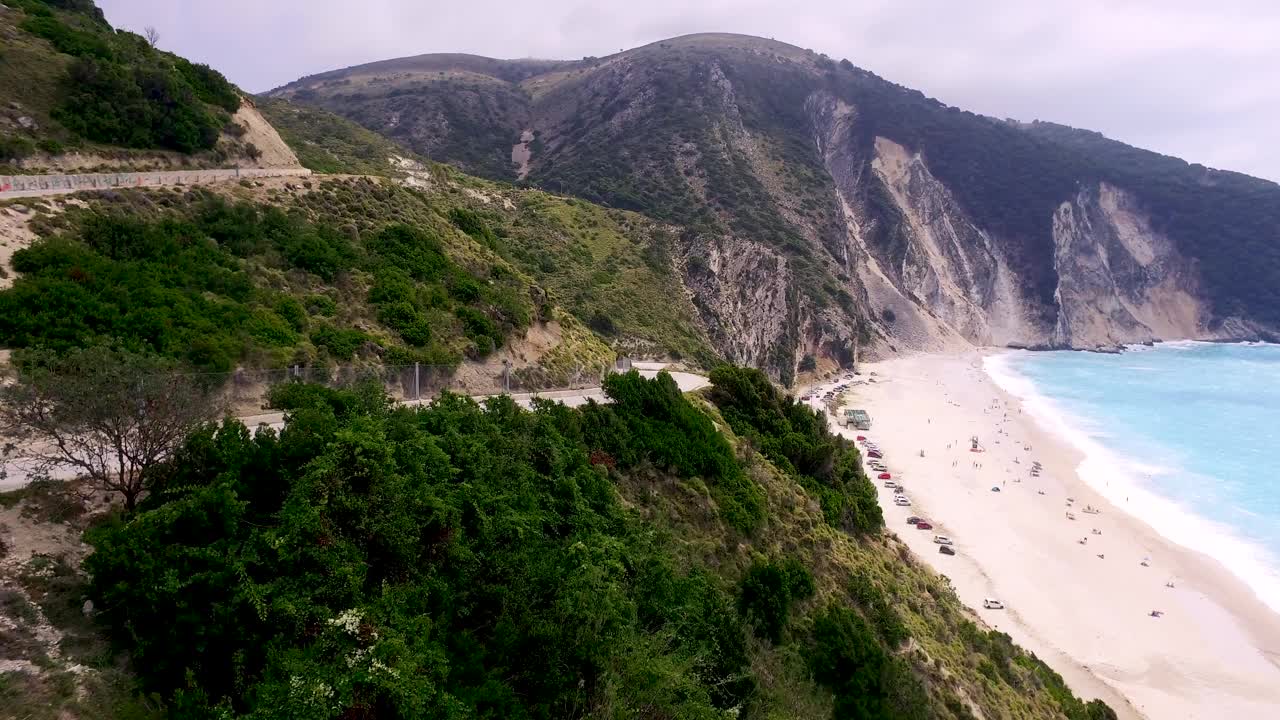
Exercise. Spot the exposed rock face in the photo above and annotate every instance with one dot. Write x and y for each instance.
(741, 291)
(1119, 281)
(824, 207)
(274, 152)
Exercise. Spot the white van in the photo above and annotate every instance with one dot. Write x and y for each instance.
(901, 501)
(992, 604)
(942, 539)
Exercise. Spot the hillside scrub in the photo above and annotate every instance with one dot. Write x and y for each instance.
(797, 441)
(202, 283)
(328, 143)
(119, 90)
(612, 270)
(465, 560)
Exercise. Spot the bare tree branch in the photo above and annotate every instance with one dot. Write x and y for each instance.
(151, 34)
(109, 415)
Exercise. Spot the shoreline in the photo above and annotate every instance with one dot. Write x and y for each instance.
(1215, 651)
(1245, 559)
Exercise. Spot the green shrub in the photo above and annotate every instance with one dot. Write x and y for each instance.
(796, 439)
(469, 222)
(13, 149)
(321, 305)
(450, 557)
(270, 329)
(767, 592)
(602, 324)
(479, 329)
(412, 250)
(292, 311)
(651, 421)
(405, 319)
(66, 39)
(320, 250)
(340, 343)
(142, 107)
(846, 657)
(208, 84)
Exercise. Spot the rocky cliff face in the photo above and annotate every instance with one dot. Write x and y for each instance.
(822, 206)
(941, 278)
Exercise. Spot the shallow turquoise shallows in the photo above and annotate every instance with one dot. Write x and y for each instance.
(1186, 436)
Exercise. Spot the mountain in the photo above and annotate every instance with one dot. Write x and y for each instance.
(712, 555)
(821, 203)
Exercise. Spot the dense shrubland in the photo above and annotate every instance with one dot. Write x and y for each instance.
(487, 561)
(117, 89)
(214, 283)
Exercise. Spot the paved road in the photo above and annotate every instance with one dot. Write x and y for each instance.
(19, 186)
(20, 474)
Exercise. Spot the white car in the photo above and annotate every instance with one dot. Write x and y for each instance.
(992, 604)
(901, 501)
(942, 539)
(890, 484)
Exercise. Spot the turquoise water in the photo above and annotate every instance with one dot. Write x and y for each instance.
(1183, 435)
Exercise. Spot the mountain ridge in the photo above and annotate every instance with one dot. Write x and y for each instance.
(782, 153)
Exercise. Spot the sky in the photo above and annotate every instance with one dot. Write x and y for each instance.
(1199, 79)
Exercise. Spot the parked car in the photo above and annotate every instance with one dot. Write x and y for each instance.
(890, 484)
(901, 501)
(995, 488)
(946, 550)
(899, 489)
(942, 539)
(913, 520)
(922, 525)
(992, 604)
(884, 476)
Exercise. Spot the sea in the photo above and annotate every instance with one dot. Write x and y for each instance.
(1183, 435)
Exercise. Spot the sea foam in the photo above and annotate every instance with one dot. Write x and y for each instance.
(1133, 465)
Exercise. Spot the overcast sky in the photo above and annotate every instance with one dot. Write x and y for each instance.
(1199, 79)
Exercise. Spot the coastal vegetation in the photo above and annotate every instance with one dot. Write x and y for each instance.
(484, 560)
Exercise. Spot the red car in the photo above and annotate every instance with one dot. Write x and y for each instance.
(884, 476)
(922, 525)
(862, 438)
(874, 454)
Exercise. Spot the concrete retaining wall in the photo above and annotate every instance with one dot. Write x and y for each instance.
(16, 186)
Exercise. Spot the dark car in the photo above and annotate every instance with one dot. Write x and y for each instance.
(913, 520)
(946, 550)
(922, 525)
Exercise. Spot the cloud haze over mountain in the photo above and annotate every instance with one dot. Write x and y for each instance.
(1184, 77)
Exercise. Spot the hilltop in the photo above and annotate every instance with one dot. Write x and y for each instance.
(81, 96)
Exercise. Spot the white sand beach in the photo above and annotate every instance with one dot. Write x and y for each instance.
(1084, 608)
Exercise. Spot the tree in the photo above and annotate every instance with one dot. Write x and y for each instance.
(151, 34)
(106, 413)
